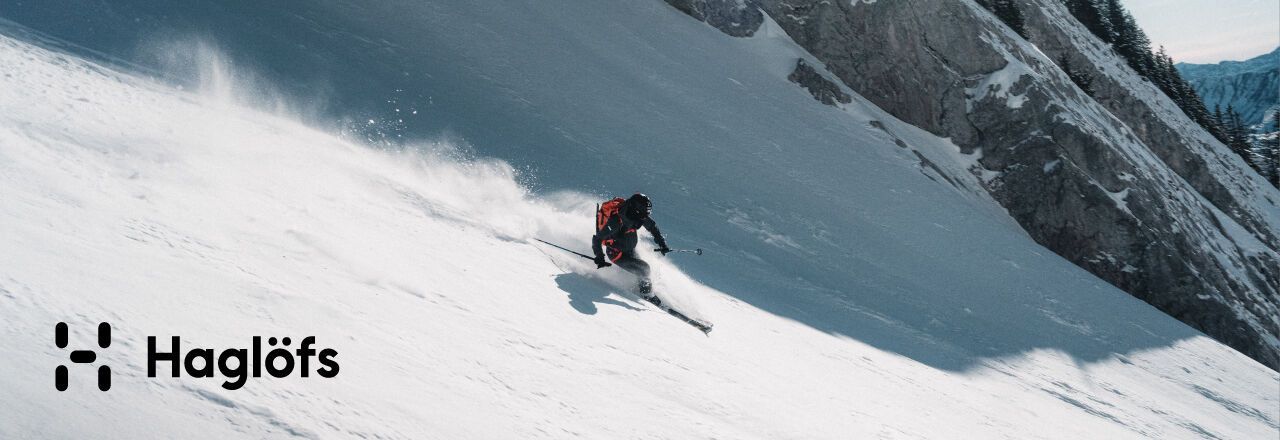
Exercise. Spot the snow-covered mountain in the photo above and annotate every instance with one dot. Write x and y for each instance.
(863, 281)
(1121, 182)
(1252, 86)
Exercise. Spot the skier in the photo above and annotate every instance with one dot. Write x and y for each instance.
(617, 222)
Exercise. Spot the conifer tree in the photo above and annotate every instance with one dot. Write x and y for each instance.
(1090, 15)
(1271, 148)
(1008, 12)
(1082, 78)
(1163, 73)
(1112, 23)
(1219, 124)
(1011, 14)
(1269, 153)
(1238, 137)
(1273, 145)
(1129, 41)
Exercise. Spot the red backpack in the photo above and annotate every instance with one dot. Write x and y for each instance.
(606, 211)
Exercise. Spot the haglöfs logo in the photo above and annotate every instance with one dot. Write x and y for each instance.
(60, 374)
(236, 365)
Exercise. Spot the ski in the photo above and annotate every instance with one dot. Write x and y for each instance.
(704, 327)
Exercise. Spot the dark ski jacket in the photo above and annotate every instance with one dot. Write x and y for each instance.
(620, 233)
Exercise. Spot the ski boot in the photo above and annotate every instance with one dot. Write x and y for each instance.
(646, 289)
(646, 293)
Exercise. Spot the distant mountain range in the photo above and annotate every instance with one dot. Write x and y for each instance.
(1252, 87)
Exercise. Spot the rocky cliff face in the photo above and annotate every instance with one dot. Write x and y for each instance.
(739, 18)
(822, 89)
(1123, 185)
(1217, 174)
(1252, 87)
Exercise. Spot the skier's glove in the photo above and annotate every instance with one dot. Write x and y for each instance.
(665, 250)
(601, 263)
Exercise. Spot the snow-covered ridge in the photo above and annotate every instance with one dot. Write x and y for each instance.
(1251, 87)
(1137, 198)
(920, 313)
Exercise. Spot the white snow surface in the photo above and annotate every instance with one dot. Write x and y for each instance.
(855, 295)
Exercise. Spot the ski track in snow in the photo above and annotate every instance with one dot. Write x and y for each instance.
(170, 213)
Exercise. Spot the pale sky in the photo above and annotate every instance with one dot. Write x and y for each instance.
(1209, 31)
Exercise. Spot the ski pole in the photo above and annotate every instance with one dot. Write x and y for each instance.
(688, 251)
(570, 251)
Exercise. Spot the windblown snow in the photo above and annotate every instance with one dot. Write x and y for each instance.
(922, 313)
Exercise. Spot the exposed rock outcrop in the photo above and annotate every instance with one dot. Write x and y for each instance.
(822, 89)
(1214, 171)
(739, 18)
(1125, 186)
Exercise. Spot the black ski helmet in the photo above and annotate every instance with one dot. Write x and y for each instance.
(639, 206)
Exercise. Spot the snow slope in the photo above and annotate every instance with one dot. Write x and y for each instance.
(862, 297)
